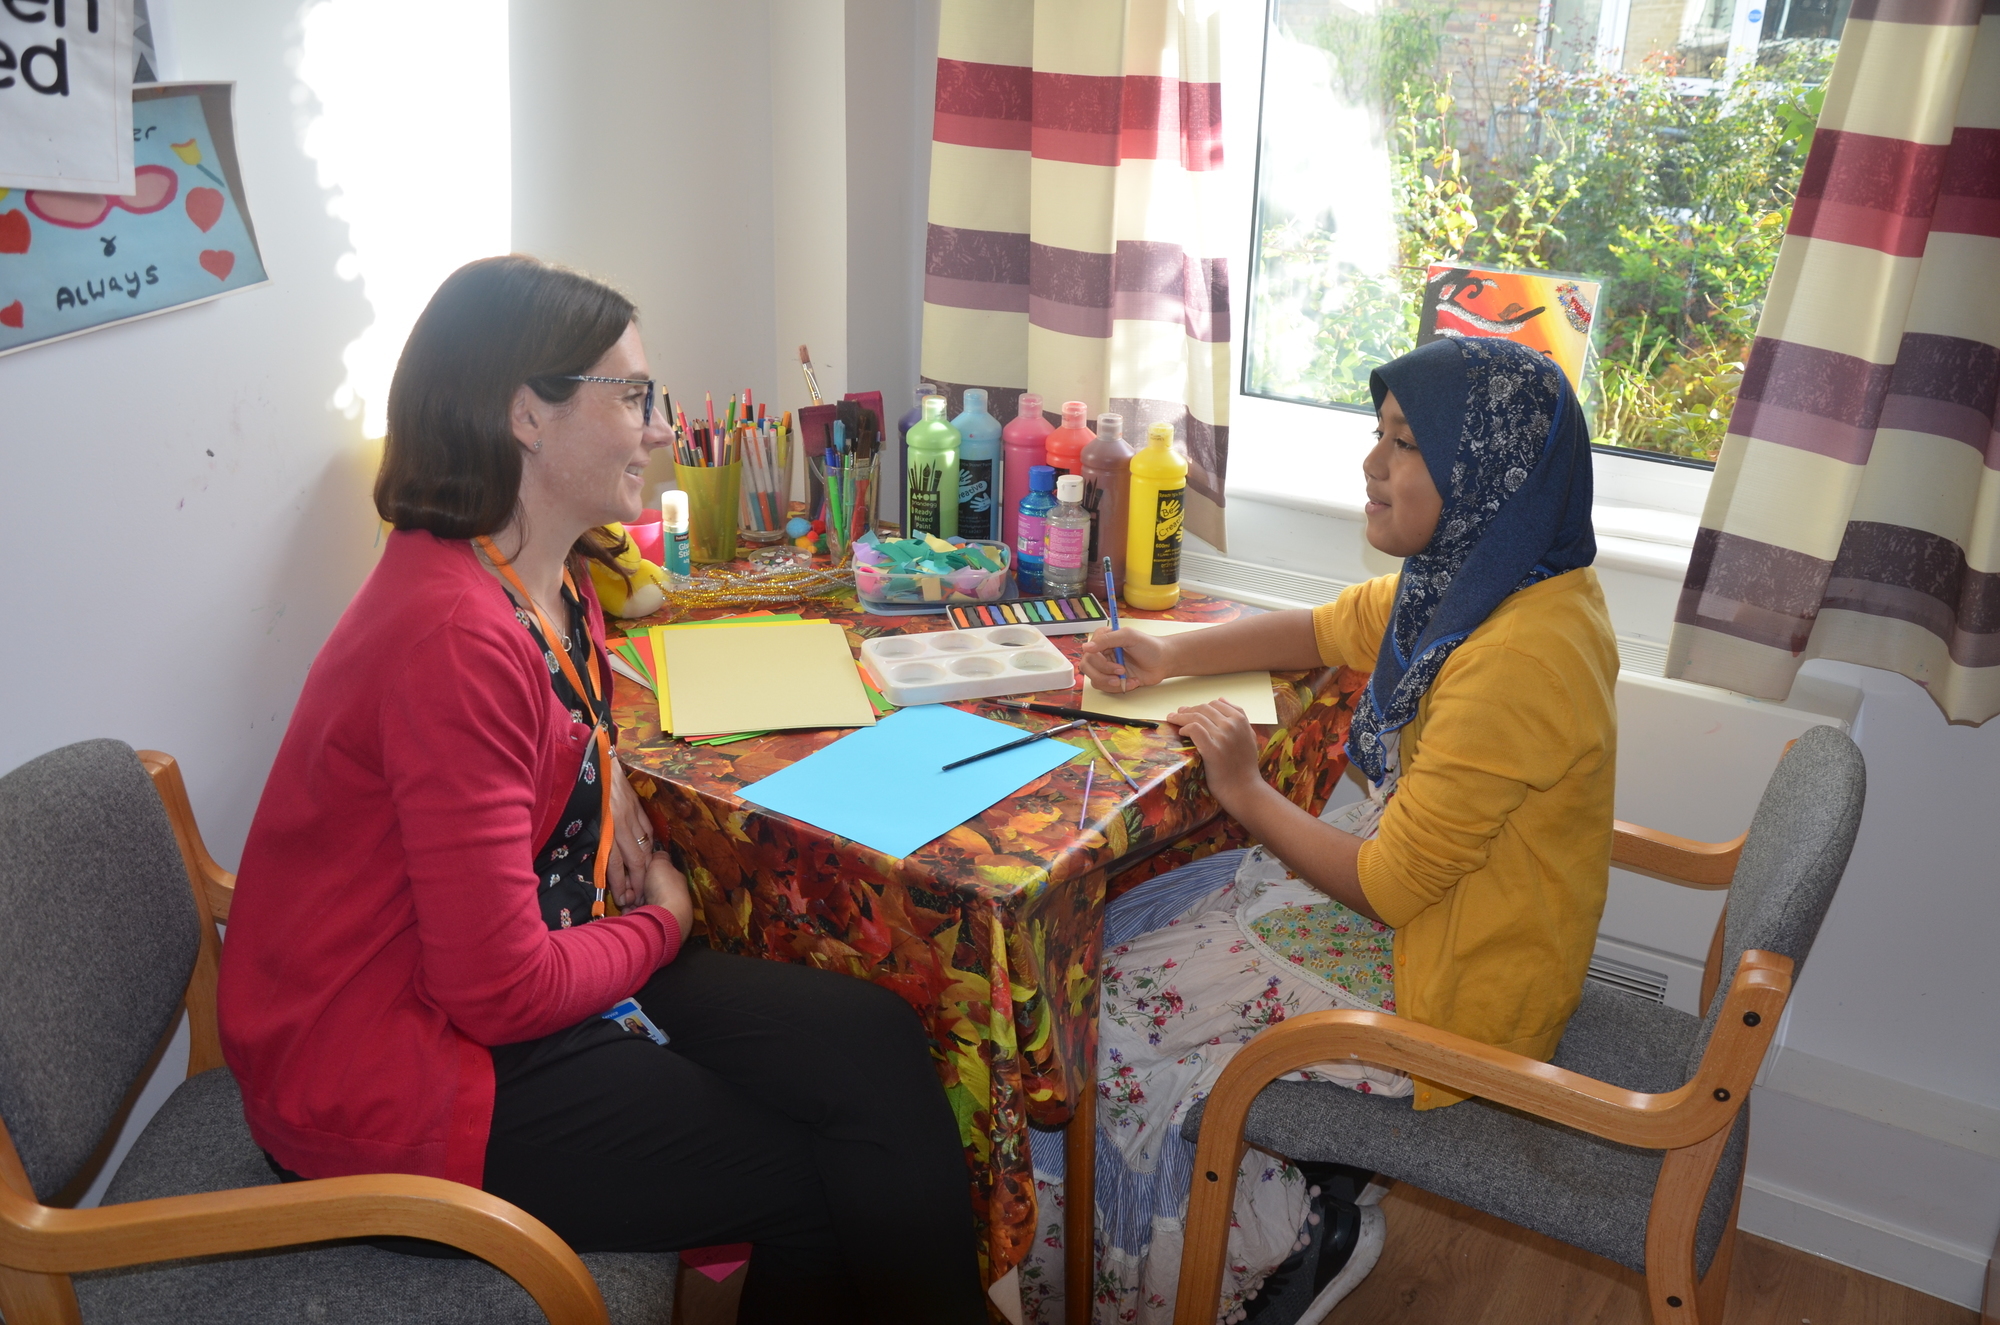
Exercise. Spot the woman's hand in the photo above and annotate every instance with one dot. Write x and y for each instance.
(663, 885)
(1228, 746)
(1146, 660)
(631, 840)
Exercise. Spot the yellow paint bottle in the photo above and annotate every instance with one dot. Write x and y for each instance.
(1153, 532)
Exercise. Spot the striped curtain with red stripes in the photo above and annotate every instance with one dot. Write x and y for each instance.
(1855, 512)
(1074, 248)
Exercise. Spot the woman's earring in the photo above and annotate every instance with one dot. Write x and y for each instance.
(537, 447)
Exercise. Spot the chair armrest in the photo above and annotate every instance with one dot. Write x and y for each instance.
(217, 885)
(1679, 860)
(46, 1240)
(1667, 1121)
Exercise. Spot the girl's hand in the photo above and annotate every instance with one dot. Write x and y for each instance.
(663, 885)
(1146, 662)
(1228, 746)
(631, 841)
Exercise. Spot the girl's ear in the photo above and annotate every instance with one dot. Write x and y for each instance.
(525, 415)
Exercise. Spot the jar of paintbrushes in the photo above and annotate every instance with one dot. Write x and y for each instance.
(847, 474)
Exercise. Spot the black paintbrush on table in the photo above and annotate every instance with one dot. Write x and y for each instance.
(1029, 739)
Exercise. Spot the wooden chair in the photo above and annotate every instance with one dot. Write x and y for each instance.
(110, 902)
(1630, 1143)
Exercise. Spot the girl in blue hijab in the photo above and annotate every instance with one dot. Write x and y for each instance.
(1463, 890)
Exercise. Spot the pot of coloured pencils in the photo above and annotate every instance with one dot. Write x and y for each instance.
(713, 498)
(764, 452)
(850, 487)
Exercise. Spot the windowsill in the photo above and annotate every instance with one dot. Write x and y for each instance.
(1646, 513)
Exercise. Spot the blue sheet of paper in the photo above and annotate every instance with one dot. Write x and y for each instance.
(882, 786)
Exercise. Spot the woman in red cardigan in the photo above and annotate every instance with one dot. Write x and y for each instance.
(419, 961)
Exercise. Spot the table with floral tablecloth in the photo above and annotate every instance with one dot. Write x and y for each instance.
(990, 932)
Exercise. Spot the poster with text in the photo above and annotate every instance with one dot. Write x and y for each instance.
(74, 262)
(66, 94)
(1543, 310)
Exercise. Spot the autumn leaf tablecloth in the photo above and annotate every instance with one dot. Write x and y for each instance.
(990, 932)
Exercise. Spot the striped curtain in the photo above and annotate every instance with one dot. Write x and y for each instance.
(1075, 245)
(1856, 507)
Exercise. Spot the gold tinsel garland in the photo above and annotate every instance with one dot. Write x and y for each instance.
(758, 588)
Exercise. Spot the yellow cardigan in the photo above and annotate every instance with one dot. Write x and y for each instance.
(1493, 856)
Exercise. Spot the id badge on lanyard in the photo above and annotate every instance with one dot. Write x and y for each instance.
(600, 730)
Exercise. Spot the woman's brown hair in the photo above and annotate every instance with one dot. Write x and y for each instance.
(451, 463)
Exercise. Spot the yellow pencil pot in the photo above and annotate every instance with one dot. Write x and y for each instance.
(712, 492)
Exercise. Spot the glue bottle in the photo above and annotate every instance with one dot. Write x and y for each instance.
(1065, 445)
(1107, 495)
(1029, 543)
(1152, 580)
(980, 468)
(1025, 438)
(1066, 536)
(930, 487)
(674, 536)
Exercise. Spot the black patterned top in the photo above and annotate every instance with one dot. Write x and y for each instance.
(564, 866)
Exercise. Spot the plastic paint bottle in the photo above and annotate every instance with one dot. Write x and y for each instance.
(1065, 444)
(674, 536)
(1153, 542)
(1029, 542)
(1066, 535)
(1025, 438)
(1107, 492)
(903, 426)
(930, 492)
(980, 468)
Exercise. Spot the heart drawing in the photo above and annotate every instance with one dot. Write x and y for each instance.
(204, 207)
(14, 235)
(10, 316)
(218, 262)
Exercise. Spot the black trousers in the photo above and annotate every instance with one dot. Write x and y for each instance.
(793, 1109)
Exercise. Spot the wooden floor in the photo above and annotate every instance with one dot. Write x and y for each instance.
(1446, 1265)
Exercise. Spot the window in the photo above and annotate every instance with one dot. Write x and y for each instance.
(1631, 162)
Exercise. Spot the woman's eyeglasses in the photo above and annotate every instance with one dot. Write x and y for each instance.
(646, 417)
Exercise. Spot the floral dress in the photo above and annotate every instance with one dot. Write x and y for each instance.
(565, 864)
(1196, 962)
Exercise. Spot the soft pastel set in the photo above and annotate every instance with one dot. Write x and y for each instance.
(945, 665)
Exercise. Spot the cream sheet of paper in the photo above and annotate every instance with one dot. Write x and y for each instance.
(1249, 691)
(762, 678)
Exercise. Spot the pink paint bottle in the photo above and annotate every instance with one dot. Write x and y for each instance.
(1023, 437)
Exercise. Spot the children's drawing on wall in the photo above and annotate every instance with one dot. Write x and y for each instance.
(74, 262)
(1547, 311)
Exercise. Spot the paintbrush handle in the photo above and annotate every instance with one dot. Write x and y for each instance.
(1029, 739)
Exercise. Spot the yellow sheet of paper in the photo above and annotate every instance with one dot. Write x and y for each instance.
(657, 633)
(1249, 691)
(752, 677)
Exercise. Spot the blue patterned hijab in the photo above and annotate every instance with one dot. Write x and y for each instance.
(1505, 441)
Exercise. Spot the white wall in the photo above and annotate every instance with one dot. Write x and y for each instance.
(184, 514)
(642, 155)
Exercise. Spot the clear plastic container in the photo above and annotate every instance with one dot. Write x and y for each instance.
(1066, 539)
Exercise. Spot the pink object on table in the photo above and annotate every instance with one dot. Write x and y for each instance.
(718, 1263)
(645, 535)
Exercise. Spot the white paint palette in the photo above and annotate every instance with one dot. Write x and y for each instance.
(934, 667)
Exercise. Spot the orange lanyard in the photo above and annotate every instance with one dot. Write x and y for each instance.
(553, 642)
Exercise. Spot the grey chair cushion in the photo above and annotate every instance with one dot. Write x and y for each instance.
(1553, 1179)
(198, 1142)
(99, 938)
(1572, 1186)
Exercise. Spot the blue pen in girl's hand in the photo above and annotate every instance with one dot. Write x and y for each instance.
(1111, 607)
